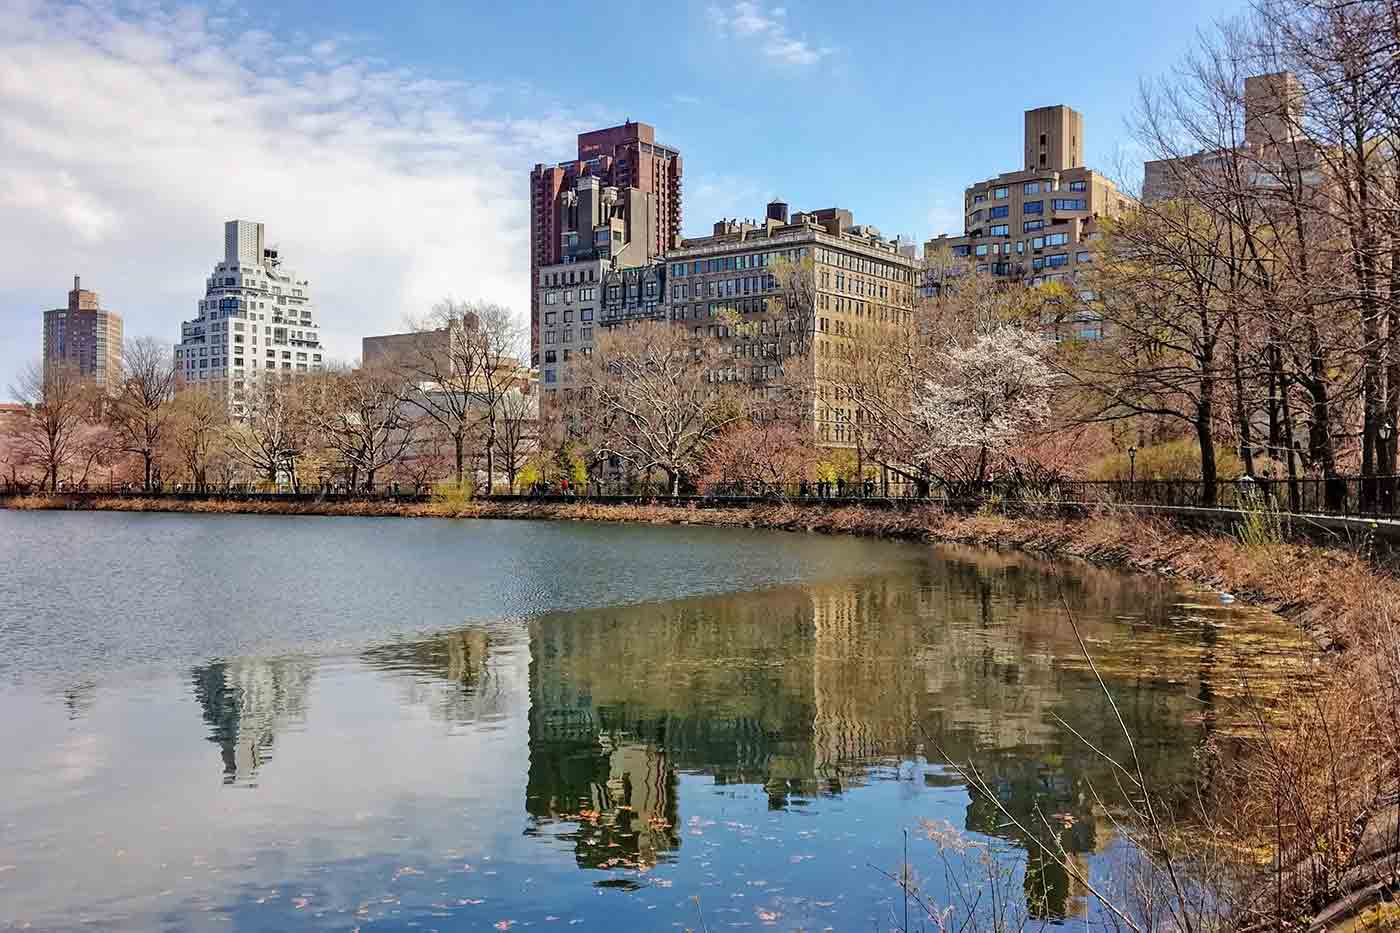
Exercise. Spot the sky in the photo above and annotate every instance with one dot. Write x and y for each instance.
(387, 147)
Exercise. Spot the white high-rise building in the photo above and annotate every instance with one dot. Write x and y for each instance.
(255, 318)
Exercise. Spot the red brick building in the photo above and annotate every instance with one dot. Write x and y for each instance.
(623, 157)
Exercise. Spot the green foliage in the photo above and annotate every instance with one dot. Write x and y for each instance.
(1379, 919)
(839, 464)
(1179, 459)
(1262, 523)
(454, 495)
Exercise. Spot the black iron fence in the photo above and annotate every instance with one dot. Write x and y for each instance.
(1355, 496)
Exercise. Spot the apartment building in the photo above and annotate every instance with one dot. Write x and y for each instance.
(256, 318)
(645, 180)
(859, 281)
(84, 336)
(609, 237)
(1273, 114)
(1035, 224)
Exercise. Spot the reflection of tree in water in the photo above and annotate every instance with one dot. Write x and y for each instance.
(79, 698)
(448, 673)
(245, 703)
(801, 689)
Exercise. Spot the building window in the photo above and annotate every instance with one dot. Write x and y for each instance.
(549, 376)
(568, 317)
(1031, 187)
(1033, 207)
(551, 356)
(1059, 259)
(1067, 204)
(1079, 186)
(1030, 225)
(1083, 256)
(1002, 211)
(981, 249)
(1057, 239)
(549, 317)
(1000, 230)
(1001, 194)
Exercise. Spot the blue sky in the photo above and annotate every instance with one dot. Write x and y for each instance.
(387, 146)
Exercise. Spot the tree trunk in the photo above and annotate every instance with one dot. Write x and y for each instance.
(1204, 419)
(146, 462)
(490, 465)
(457, 449)
(1241, 406)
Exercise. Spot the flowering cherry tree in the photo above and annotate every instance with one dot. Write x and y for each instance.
(988, 393)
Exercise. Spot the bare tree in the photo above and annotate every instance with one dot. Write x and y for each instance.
(57, 406)
(140, 411)
(197, 430)
(464, 361)
(1163, 289)
(274, 432)
(497, 337)
(656, 397)
(517, 434)
(361, 416)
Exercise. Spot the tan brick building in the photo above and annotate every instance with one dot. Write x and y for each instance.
(1034, 225)
(859, 282)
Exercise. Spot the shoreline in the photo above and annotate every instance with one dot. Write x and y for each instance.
(1311, 586)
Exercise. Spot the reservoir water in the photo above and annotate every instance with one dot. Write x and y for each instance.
(268, 723)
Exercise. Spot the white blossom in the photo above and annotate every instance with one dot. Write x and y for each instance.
(988, 395)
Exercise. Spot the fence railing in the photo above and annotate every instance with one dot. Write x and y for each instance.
(1374, 497)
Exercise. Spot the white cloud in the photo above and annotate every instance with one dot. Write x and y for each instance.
(945, 216)
(768, 29)
(127, 137)
(709, 198)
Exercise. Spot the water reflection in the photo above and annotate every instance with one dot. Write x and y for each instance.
(246, 703)
(812, 697)
(803, 690)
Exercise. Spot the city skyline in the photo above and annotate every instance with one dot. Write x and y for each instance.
(395, 174)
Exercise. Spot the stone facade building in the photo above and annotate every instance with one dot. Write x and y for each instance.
(86, 337)
(857, 281)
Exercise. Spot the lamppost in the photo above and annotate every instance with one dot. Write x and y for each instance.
(1132, 468)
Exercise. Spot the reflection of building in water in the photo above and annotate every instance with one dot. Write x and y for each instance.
(245, 703)
(866, 691)
(799, 690)
(448, 673)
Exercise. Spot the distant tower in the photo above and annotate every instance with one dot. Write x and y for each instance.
(1054, 138)
(1273, 105)
(84, 336)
